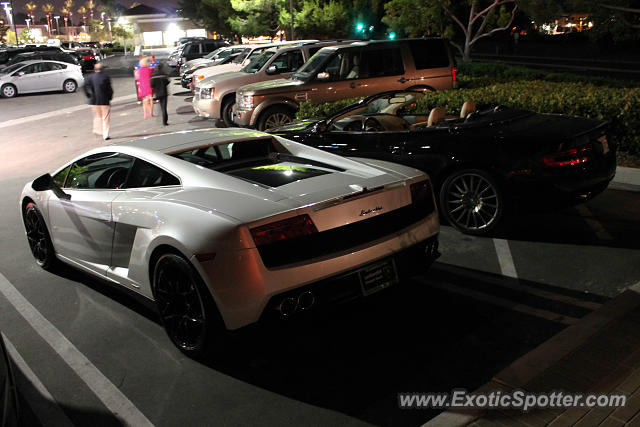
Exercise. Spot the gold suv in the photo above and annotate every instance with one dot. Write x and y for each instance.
(338, 72)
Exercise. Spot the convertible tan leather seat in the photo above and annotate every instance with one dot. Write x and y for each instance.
(467, 108)
(435, 116)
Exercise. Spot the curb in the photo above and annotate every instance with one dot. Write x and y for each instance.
(538, 360)
(625, 175)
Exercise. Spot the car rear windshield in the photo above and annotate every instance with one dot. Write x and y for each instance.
(263, 161)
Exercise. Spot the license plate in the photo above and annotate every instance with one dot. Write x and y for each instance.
(378, 276)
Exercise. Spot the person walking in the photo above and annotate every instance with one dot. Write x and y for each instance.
(135, 78)
(159, 83)
(98, 89)
(144, 88)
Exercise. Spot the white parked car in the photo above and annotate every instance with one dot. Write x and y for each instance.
(40, 76)
(222, 227)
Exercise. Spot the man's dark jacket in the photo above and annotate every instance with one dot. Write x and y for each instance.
(98, 89)
(159, 82)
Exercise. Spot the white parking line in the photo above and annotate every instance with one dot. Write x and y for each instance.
(592, 222)
(104, 389)
(507, 267)
(69, 110)
(39, 399)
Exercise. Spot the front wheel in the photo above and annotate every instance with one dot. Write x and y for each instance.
(226, 113)
(275, 117)
(187, 310)
(69, 86)
(9, 91)
(38, 237)
(471, 201)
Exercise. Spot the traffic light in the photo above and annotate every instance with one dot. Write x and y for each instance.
(392, 35)
(359, 26)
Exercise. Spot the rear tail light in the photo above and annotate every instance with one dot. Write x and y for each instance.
(290, 228)
(453, 74)
(572, 156)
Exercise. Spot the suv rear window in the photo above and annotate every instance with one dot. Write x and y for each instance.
(429, 54)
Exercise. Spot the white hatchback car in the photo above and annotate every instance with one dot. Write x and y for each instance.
(40, 76)
(223, 227)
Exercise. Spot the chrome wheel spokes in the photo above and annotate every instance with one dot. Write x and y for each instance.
(277, 119)
(472, 201)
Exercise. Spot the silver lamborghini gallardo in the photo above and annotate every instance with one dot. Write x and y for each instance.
(222, 227)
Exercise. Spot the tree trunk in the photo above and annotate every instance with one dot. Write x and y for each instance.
(466, 55)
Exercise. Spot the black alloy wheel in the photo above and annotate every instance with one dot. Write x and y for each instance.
(185, 309)
(275, 117)
(471, 201)
(38, 237)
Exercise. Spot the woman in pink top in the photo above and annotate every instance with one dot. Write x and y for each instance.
(144, 89)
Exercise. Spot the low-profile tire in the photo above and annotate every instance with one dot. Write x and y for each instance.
(274, 117)
(227, 108)
(8, 91)
(69, 86)
(471, 201)
(186, 307)
(38, 237)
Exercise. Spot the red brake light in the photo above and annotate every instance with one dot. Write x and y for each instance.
(453, 74)
(289, 228)
(572, 156)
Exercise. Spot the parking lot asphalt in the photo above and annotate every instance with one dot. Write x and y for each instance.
(484, 304)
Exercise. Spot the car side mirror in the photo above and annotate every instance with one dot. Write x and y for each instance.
(45, 182)
(272, 69)
(322, 76)
(319, 127)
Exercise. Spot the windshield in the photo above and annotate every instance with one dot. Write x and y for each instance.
(256, 64)
(312, 66)
(215, 52)
(12, 68)
(395, 104)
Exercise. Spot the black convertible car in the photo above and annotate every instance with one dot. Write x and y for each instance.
(480, 161)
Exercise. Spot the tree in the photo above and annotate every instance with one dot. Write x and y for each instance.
(48, 10)
(316, 20)
(213, 15)
(26, 36)
(83, 11)
(256, 17)
(30, 8)
(3, 30)
(475, 19)
(615, 20)
(90, 6)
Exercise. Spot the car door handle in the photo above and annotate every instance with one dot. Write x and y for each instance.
(402, 80)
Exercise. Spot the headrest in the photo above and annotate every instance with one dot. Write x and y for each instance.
(467, 108)
(435, 116)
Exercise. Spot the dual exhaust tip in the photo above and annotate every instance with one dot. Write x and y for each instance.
(290, 305)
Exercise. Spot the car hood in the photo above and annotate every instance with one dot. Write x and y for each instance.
(213, 81)
(219, 69)
(270, 86)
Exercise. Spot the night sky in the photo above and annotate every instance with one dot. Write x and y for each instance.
(19, 5)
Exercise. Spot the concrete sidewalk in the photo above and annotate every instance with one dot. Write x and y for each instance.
(600, 354)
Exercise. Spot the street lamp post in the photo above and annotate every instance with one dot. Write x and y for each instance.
(57, 25)
(293, 37)
(8, 7)
(27, 21)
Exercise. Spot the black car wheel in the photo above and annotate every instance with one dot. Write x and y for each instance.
(69, 86)
(275, 117)
(9, 91)
(38, 237)
(227, 108)
(471, 201)
(186, 307)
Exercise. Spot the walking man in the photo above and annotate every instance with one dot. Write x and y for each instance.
(159, 83)
(98, 89)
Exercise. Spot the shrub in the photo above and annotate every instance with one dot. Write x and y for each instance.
(308, 109)
(619, 106)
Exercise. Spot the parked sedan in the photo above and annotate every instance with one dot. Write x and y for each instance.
(222, 227)
(39, 76)
(480, 161)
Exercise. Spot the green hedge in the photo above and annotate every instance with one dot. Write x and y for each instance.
(620, 106)
(478, 74)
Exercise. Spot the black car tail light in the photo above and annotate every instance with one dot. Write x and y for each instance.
(570, 157)
(422, 195)
(289, 228)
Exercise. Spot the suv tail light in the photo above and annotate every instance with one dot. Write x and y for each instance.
(572, 156)
(453, 74)
(289, 228)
